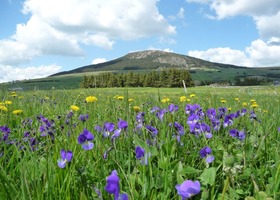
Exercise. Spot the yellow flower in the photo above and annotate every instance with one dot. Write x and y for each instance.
(13, 94)
(244, 104)
(130, 100)
(91, 99)
(136, 108)
(47, 98)
(183, 98)
(192, 95)
(223, 101)
(265, 111)
(254, 105)
(165, 100)
(17, 112)
(236, 99)
(229, 109)
(8, 102)
(75, 108)
(3, 108)
(120, 97)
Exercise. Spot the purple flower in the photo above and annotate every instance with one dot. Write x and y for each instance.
(188, 189)
(253, 116)
(279, 129)
(206, 153)
(122, 124)
(228, 121)
(152, 129)
(191, 109)
(237, 134)
(243, 111)
(83, 118)
(5, 129)
(160, 114)
(84, 139)
(108, 127)
(173, 108)
(98, 128)
(140, 152)
(211, 113)
(179, 128)
(222, 112)
(66, 156)
(113, 186)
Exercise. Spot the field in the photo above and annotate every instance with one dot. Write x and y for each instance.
(140, 143)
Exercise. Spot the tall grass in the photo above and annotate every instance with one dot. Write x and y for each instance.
(248, 168)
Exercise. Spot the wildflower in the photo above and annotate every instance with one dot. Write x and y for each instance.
(140, 152)
(83, 118)
(279, 129)
(188, 189)
(3, 108)
(113, 186)
(5, 129)
(8, 102)
(152, 129)
(173, 108)
(254, 105)
(130, 100)
(228, 121)
(223, 101)
(85, 139)
(160, 114)
(244, 104)
(192, 95)
(190, 109)
(108, 127)
(91, 99)
(75, 108)
(253, 116)
(120, 97)
(66, 156)
(183, 98)
(237, 134)
(206, 153)
(136, 108)
(236, 99)
(165, 100)
(13, 94)
(122, 125)
(17, 112)
(211, 113)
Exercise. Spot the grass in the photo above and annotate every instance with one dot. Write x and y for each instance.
(242, 169)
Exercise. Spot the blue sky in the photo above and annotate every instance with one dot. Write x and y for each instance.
(39, 38)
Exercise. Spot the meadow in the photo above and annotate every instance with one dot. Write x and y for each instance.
(141, 143)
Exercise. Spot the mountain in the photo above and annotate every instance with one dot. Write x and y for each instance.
(148, 60)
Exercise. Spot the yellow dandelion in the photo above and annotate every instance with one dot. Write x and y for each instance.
(136, 108)
(236, 99)
(120, 97)
(13, 94)
(229, 109)
(3, 108)
(183, 99)
(75, 108)
(254, 105)
(47, 98)
(223, 101)
(130, 100)
(8, 102)
(244, 104)
(91, 99)
(165, 100)
(17, 112)
(265, 111)
(192, 95)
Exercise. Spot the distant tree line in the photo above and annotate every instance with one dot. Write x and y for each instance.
(247, 81)
(164, 78)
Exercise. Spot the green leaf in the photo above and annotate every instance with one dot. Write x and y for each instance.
(208, 176)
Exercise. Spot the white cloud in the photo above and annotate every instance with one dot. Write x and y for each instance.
(258, 54)
(10, 73)
(98, 60)
(181, 13)
(222, 55)
(61, 27)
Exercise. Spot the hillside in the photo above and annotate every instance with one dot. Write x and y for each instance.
(151, 59)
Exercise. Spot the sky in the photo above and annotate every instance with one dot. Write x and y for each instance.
(39, 38)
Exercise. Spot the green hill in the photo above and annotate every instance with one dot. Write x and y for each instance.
(202, 71)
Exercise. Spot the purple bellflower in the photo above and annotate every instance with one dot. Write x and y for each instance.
(188, 189)
(85, 139)
(66, 156)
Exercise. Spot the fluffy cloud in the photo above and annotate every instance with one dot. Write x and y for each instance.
(258, 54)
(98, 60)
(9, 73)
(262, 52)
(61, 27)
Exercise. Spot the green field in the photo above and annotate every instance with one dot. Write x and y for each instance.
(66, 144)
